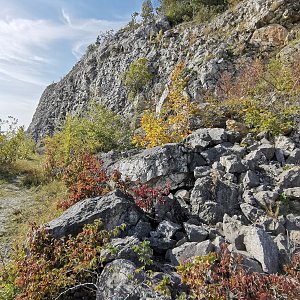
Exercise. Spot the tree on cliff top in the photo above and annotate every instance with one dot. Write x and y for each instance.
(147, 11)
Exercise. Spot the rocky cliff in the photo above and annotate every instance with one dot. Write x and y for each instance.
(253, 28)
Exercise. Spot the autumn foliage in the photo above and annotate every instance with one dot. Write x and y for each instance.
(262, 96)
(84, 178)
(146, 197)
(47, 267)
(172, 124)
(222, 276)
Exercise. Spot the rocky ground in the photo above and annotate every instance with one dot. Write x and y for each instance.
(224, 188)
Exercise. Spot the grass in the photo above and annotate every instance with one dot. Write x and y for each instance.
(26, 198)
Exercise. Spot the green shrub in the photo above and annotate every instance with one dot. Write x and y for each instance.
(179, 11)
(14, 142)
(147, 10)
(263, 97)
(98, 130)
(137, 76)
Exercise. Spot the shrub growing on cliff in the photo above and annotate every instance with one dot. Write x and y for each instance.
(137, 76)
(178, 11)
(147, 10)
(173, 122)
(261, 97)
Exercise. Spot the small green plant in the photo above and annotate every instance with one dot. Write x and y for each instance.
(159, 36)
(137, 76)
(284, 203)
(91, 48)
(144, 252)
(163, 287)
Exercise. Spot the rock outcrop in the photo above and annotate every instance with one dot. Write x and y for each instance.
(225, 44)
(239, 195)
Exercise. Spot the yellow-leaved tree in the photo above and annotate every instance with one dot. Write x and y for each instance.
(172, 124)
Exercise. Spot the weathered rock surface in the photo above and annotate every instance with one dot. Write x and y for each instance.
(261, 246)
(113, 209)
(229, 37)
(119, 280)
(189, 250)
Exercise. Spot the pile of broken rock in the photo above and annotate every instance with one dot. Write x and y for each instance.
(244, 192)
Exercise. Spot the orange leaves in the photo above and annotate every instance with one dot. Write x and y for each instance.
(173, 122)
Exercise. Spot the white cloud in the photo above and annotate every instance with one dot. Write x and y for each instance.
(29, 42)
(30, 48)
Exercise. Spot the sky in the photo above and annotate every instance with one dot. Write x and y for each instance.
(40, 41)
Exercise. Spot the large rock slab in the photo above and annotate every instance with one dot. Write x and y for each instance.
(206, 137)
(159, 165)
(113, 209)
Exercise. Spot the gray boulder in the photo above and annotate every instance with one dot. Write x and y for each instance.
(113, 209)
(294, 157)
(250, 180)
(206, 137)
(290, 178)
(234, 232)
(119, 280)
(195, 233)
(262, 247)
(167, 228)
(201, 172)
(189, 250)
(284, 143)
(267, 150)
(233, 164)
(212, 196)
(252, 213)
(159, 165)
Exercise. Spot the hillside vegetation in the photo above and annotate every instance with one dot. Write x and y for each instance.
(212, 212)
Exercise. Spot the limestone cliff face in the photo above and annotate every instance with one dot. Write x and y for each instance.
(225, 44)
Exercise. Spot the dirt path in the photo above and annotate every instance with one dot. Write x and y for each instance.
(15, 203)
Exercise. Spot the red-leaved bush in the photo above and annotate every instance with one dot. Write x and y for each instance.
(222, 276)
(84, 178)
(146, 197)
(46, 267)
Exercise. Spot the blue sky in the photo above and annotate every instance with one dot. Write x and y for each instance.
(40, 41)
